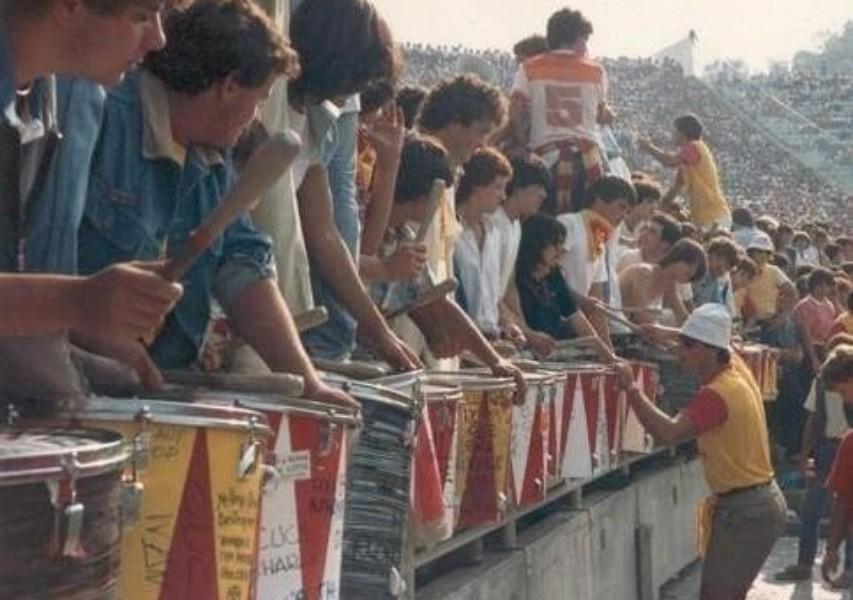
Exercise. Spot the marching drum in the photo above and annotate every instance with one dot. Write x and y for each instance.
(60, 513)
(378, 491)
(634, 436)
(434, 461)
(302, 507)
(529, 440)
(482, 460)
(198, 470)
(763, 362)
(678, 387)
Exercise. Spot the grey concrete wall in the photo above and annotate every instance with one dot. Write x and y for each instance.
(592, 554)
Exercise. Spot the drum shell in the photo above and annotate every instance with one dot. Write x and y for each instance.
(197, 527)
(378, 492)
(32, 564)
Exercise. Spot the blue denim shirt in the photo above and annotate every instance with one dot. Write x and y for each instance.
(335, 340)
(146, 197)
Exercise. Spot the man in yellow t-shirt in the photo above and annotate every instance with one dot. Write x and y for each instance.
(770, 293)
(727, 418)
(697, 175)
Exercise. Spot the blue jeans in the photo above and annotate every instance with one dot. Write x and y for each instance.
(816, 505)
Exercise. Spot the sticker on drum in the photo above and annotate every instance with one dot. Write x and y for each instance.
(485, 429)
(60, 513)
(302, 509)
(196, 535)
(378, 492)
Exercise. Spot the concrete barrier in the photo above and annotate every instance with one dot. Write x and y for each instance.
(595, 553)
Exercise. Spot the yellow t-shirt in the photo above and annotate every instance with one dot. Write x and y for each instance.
(728, 414)
(763, 291)
(699, 169)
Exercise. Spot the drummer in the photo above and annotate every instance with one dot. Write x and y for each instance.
(837, 372)
(448, 330)
(80, 38)
(649, 288)
(545, 300)
(161, 167)
(746, 514)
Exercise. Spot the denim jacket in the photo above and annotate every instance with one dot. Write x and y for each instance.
(146, 196)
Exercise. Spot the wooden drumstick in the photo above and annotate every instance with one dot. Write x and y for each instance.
(283, 384)
(310, 319)
(355, 370)
(427, 297)
(266, 166)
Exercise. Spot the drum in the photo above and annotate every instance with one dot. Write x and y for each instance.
(583, 442)
(763, 362)
(302, 508)
(485, 430)
(60, 513)
(529, 441)
(200, 467)
(678, 387)
(634, 436)
(378, 490)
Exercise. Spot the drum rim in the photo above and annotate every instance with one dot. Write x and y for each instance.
(104, 452)
(575, 368)
(191, 414)
(300, 407)
(425, 381)
(474, 379)
(365, 390)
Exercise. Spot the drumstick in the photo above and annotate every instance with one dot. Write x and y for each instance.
(428, 296)
(581, 341)
(435, 195)
(310, 319)
(264, 168)
(283, 384)
(355, 370)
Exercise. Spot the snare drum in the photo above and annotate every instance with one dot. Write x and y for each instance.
(634, 436)
(678, 387)
(378, 489)
(60, 513)
(200, 468)
(485, 429)
(302, 509)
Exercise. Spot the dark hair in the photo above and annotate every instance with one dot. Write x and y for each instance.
(819, 277)
(462, 100)
(690, 126)
(784, 228)
(411, 98)
(832, 252)
(527, 171)
(689, 252)
(780, 260)
(725, 249)
(213, 39)
(647, 189)
(565, 27)
(802, 285)
(838, 368)
(537, 233)
(376, 95)
(422, 161)
(724, 355)
(530, 47)
(803, 271)
(484, 166)
(37, 8)
(743, 217)
(611, 189)
(748, 265)
(344, 46)
(688, 229)
(670, 229)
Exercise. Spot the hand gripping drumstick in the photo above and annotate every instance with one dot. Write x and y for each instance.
(268, 163)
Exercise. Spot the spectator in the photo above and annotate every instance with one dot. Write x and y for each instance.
(716, 285)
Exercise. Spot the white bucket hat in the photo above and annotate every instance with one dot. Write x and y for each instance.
(761, 241)
(710, 324)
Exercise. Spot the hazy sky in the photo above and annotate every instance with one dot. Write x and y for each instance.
(757, 31)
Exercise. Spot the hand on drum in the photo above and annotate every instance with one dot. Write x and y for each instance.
(514, 334)
(320, 392)
(504, 368)
(129, 352)
(396, 353)
(128, 300)
(625, 373)
(542, 344)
